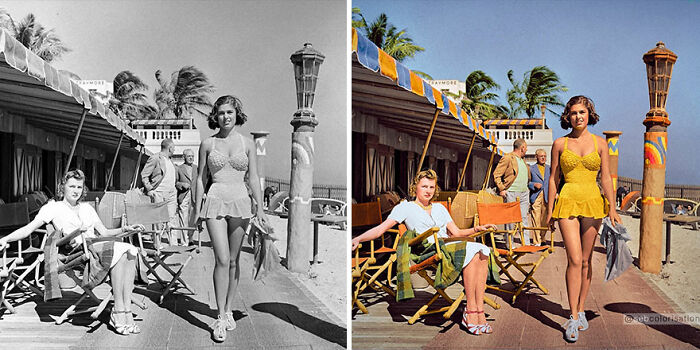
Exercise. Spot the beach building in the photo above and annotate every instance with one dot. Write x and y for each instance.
(182, 131)
(41, 111)
(393, 112)
(102, 89)
(455, 87)
(534, 131)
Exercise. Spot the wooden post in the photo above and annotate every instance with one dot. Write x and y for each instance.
(427, 140)
(75, 141)
(613, 138)
(114, 161)
(466, 161)
(136, 170)
(488, 171)
(659, 63)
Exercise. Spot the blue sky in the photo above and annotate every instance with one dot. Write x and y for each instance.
(242, 46)
(595, 47)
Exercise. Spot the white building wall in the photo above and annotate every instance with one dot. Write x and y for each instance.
(535, 138)
(183, 138)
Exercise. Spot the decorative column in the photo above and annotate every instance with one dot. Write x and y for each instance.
(613, 137)
(307, 62)
(260, 138)
(659, 61)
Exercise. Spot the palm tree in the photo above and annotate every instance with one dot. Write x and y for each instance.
(30, 33)
(477, 95)
(186, 92)
(129, 100)
(540, 86)
(386, 36)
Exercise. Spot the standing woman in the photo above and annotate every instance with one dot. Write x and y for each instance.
(420, 215)
(580, 208)
(68, 214)
(227, 156)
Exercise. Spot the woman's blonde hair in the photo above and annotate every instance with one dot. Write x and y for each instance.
(72, 174)
(429, 174)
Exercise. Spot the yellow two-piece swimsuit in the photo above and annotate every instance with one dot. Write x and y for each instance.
(580, 196)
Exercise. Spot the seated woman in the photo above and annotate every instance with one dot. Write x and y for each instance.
(67, 214)
(420, 215)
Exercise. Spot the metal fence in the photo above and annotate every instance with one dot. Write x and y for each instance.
(319, 191)
(671, 191)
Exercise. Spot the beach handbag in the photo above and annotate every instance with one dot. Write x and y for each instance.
(266, 258)
(492, 276)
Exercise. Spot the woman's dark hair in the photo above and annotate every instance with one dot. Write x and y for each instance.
(236, 103)
(429, 174)
(71, 174)
(593, 117)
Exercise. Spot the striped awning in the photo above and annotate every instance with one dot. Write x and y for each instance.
(371, 57)
(47, 99)
(496, 122)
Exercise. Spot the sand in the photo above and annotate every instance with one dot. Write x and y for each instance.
(327, 280)
(679, 280)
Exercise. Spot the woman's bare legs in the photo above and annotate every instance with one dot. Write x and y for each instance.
(481, 274)
(118, 275)
(130, 273)
(589, 232)
(220, 244)
(236, 233)
(470, 274)
(570, 231)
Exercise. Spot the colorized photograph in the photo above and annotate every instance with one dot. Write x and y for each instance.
(173, 174)
(522, 174)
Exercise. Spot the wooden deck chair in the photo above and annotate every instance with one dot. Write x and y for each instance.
(76, 259)
(26, 259)
(357, 271)
(506, 255)
(366, 215)
(423, 268)
(156, 215)
(8, 265)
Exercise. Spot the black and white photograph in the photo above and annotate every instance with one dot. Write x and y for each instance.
(173, 174)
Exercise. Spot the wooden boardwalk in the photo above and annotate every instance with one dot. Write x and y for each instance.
(276, 313)
(533, 322)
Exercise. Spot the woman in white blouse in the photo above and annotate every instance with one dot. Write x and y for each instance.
(68, 214)
(420, 215)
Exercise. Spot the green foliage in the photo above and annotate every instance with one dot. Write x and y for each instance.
(30, 33)
(540, 86)
(129, 100)
(386, 36)
(187, 91)
(478, 98)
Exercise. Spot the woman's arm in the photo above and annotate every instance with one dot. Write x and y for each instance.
(373, 233)
(553, 179)
(202, 173)
(606, 180)
(253, 178)
(21, 232)
(455, 231)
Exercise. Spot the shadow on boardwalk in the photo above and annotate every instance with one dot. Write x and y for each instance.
(274, 313)
(534, 320)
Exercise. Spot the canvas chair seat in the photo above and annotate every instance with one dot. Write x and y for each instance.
(507, 258)
(151, 244)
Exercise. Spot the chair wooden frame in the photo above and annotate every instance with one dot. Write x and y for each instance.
(431, 263)
(509, 213)
(357, 271)
(76, 258)
(369, 214)
(8, 265)
(156, 215)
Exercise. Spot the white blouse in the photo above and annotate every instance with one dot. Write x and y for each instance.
(65, 218)
(417, 219)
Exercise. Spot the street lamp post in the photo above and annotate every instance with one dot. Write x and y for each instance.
(307, 62)
(659, 62)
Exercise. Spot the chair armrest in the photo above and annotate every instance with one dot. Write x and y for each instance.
(67, 238)
(420, 238)
(536, 228)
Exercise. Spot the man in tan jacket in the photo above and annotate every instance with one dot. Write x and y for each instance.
(512, 176)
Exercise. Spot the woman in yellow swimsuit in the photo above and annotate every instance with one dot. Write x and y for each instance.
(580, 208)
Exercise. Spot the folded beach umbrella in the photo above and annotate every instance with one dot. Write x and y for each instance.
(265, 254)
(619, 256)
